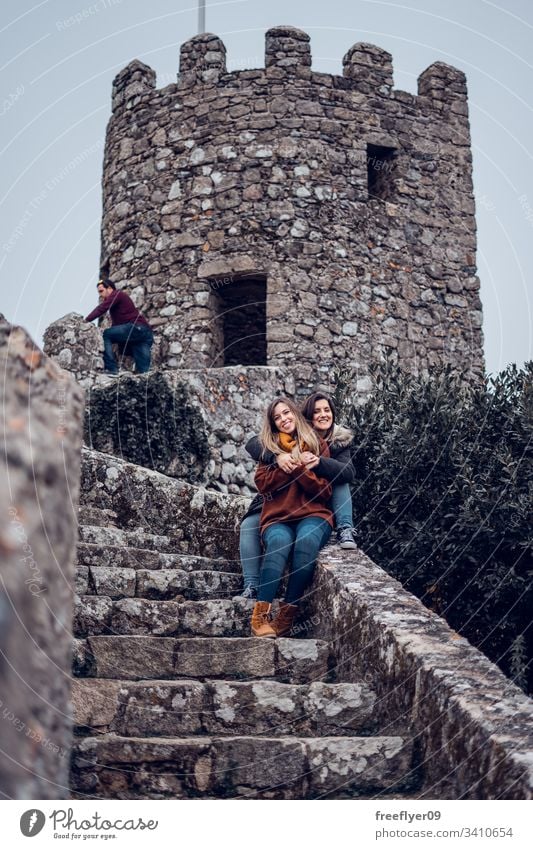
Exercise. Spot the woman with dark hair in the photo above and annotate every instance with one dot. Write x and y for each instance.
(319, 410)
(295, 516)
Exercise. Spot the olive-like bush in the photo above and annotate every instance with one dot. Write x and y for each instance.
(442, 499)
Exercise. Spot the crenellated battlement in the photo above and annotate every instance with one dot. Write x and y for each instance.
(132, 82)
(366, 69)
(282, 216)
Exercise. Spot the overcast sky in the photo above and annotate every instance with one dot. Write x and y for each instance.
(59, 58)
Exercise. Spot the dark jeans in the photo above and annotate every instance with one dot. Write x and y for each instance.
(305, 538)
(137, 337)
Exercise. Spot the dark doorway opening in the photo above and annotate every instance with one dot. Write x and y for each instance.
(381, 167)
(242, 316)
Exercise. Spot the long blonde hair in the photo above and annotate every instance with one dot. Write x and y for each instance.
(269, 435)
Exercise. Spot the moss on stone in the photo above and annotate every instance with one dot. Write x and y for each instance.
(146, 421)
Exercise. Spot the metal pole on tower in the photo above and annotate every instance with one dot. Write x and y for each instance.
(201, 16)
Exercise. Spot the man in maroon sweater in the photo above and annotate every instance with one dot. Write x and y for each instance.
(129, 328)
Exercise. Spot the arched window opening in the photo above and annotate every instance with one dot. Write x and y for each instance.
(242, 320)
(381, 167)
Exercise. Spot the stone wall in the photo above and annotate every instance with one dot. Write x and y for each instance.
(229, 402)
(473, 727)
(41, 428)
(351, 200)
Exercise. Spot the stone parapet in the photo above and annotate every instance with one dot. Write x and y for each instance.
(76, 346)
(202, 59)
(287, 49)
(369, 68)
(473, 726)
(40, 431)
(130, 84)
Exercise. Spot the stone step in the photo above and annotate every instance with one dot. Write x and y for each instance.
(89, 515)
(90, 554)
(115, 767)
(198, 520)
(181, 708)
(137, 658)
(164, 584)
(138, 538)
(138, 616)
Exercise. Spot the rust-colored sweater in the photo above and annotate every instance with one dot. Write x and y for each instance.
(293, 496)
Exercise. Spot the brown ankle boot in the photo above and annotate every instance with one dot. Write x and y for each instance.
(261, 626)
(284, 621)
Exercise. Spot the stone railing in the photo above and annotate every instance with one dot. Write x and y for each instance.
(473, 726)
(40, 431)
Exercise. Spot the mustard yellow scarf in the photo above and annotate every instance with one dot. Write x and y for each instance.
(289, 444)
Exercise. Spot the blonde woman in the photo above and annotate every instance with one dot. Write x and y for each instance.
(319, 410)
(295, 515)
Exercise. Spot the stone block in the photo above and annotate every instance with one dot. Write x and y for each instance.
(222, 657)
(95, 703)
(76, 346)
(351, 765)
(137, 616)
(92, 615)
(162, 708)
(112, 581)
(132, 657)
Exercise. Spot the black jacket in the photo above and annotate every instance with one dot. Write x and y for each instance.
(337, 468)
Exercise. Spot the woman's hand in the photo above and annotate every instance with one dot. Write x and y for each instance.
(309, 459)
(287, 463)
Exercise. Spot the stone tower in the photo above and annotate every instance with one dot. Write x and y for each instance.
(284, 217)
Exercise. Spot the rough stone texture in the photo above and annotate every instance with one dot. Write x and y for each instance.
(167, 583)
(90, 554)
(474, 727)
(151, 421)
(40, 430)
(262, 767)
(171, 708)
(347, 204)
(220, 617)
(138, 539)
(199, 520)
(76, 346)
(241, 657)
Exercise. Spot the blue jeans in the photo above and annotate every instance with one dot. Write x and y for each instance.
(137, 337)
(305, 538)
(250, 550)
(341, 504)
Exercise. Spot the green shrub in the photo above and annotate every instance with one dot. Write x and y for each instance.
(148, 422)
(442, 499)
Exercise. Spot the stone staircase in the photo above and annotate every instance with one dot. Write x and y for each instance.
(173, 699)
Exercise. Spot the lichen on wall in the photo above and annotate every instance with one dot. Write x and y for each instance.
(149, 422)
